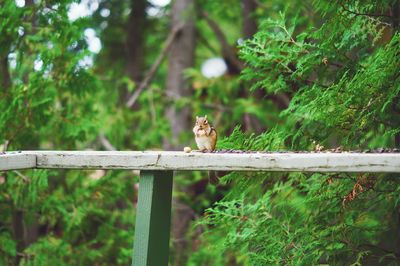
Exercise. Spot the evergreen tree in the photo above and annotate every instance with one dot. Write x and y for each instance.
(341, 68)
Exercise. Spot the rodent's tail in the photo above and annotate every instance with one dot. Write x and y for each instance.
(214, 176)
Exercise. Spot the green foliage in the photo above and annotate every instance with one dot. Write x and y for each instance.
(47, 98)
(343, 84)
(81, 218)
(343, 79)
(53, 102)
(335, 64)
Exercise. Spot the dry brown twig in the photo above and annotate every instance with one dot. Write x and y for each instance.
(362, 184)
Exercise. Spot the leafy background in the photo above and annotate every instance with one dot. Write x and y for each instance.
(313, 73)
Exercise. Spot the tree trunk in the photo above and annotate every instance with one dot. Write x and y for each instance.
(395, 24)
(396, 15)
(5, 79)
(249, 23)
(135, 41)
(249, 27)
(24, 233)
(18, 232)
(181, 57)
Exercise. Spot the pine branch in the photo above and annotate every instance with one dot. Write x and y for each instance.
(364, 14)
(150, 74)
(227, 50)
(24, 177)
(5, 145)
(106, 143)
(396, 254)
(206, 43)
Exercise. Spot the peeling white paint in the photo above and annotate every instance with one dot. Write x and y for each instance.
(166, 160)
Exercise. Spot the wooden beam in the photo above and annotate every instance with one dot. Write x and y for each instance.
(17, 160)
(153, 219)
(166, 160)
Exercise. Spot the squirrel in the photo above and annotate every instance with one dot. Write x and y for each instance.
(205, 135)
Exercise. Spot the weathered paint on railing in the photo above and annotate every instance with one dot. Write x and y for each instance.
(166, 160)
(17, 160)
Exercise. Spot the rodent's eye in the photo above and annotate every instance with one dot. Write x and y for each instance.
(205, 122)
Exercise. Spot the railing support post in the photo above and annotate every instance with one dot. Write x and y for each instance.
(153, 219)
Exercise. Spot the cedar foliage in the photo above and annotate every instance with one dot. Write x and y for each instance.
(343, 76)
(55, 106)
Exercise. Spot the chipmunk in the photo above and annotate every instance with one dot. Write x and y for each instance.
(205, 135)
(206, 139)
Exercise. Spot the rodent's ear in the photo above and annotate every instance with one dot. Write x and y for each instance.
(197, 118)
(205, 117)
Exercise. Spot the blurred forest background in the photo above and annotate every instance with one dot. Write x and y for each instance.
(132, 75)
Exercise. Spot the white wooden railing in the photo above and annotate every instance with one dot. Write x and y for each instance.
(155, 190)
(168, 160)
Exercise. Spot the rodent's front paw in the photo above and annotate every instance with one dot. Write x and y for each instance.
(201, 132)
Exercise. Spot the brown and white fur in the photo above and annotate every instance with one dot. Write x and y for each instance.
(205, 135)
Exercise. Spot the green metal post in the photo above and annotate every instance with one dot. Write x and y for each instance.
(153, 219)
